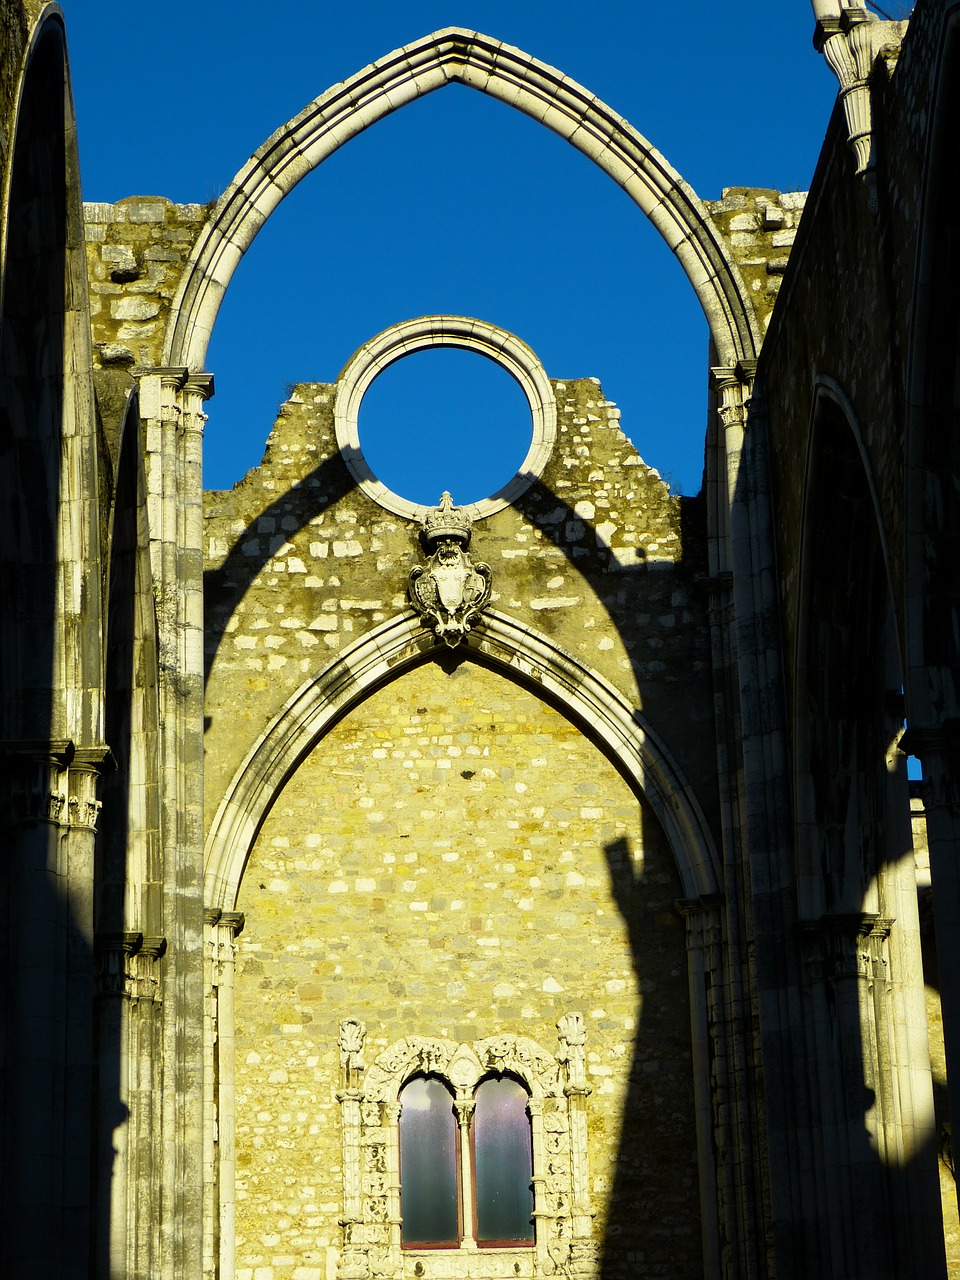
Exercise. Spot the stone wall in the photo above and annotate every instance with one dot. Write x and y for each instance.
(455, 860)
(136, 251)
(598, 555)
(759, 227)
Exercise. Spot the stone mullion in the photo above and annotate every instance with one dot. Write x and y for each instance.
(465, 1106)
(171, 407)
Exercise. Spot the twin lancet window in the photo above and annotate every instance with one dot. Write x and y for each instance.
(466, 1168)
(473, 1147)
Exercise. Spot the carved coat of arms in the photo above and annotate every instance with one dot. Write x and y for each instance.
(450, 590)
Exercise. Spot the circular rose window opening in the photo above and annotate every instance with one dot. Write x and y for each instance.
(444, 419)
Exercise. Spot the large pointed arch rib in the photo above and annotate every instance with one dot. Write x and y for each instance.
(526, 656)
(454, 55)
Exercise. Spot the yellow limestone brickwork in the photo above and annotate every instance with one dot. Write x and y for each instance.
(456, 860)
(599, 556)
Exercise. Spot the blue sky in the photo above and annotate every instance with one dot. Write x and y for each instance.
(455, 204)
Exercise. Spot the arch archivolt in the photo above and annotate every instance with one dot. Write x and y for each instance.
(506, 645)
(455, 55)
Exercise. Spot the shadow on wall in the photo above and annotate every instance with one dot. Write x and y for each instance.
(680, 696)
(851, 1085)
(653, 1184)
(47, 994)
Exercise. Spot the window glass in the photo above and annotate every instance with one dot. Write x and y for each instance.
(504, 1161)
(428, 1164)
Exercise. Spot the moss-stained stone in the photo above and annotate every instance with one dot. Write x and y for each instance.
(759, 227)
(598, 555)
(456, 859)
(136, 253)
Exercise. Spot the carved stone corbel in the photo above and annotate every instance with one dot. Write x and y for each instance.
(851, 39)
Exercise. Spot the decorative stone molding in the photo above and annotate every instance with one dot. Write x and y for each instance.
(370, 1113)
(847, 946)
(53, 781)
(427, 333)
(450, 592)
(113, 972)
(506, 644)
(852, 39)
(126, 965)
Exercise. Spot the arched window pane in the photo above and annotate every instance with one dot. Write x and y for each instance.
(428, 1164)
(504, 1162)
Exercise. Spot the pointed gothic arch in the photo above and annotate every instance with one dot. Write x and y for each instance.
(509, 647)
(455, 55)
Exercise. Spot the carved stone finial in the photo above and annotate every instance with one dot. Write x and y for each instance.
(352, 1036)
(450, 591)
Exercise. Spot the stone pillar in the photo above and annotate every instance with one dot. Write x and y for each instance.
(49, 810)
(939, 752)
(583, 1251)
(219, 1095)
(354, 1263)
(128, 1077)
(764, 1002)
(717, 1144)
(145, 1074)
(171, 409)
(464, 1108)
(847, 1234)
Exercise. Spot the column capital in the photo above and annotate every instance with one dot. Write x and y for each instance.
(170, 375)
(201, 384)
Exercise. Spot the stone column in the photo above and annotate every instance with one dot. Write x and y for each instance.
(464, 1107)
(764, 996)
(716, 1144)
(848, 1234)
(219, 1095)
(583, 1251)
(354, 1262)
(115, 1116)
(171, 408)
(49, 813)
(939, 751)
(144, 1046)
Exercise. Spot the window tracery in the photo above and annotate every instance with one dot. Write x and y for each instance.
(551, 1094)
